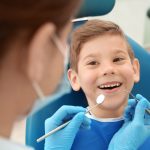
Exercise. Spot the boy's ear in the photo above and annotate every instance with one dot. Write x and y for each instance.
(136, 68)
(73, 78)
(37, 51)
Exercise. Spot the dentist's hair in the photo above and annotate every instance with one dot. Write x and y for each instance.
(90, 30)
(26, 16)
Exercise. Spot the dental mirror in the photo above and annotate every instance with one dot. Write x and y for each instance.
(100, 99)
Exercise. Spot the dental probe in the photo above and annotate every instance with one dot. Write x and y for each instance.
(99, 100)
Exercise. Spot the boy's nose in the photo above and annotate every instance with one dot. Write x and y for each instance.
(108, 70)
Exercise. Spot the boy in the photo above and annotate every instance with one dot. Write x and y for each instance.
(102, 62)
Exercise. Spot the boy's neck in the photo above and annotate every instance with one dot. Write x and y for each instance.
(101, 113)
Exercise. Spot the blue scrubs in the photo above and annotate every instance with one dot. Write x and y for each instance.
(99, 136)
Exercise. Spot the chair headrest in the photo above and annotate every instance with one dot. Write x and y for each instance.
(95, 8)
(148, 13)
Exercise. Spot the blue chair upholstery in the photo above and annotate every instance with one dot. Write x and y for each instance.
(95, 8)
(35, 122)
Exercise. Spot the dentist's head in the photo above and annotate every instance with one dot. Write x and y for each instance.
(31, 34)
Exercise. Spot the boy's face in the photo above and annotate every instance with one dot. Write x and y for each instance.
(105, 67)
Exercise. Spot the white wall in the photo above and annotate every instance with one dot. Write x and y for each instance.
(131, 16)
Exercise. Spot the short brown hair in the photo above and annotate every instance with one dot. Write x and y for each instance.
(90, 30)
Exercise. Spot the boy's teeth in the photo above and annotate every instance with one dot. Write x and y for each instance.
(110, 85)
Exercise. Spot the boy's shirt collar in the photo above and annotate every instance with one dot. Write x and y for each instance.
(91, 116)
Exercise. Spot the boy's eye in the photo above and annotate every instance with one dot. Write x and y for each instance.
(93, 63)
(118, 59)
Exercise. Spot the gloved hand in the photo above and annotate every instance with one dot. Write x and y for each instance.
(134, 132)
(130, 110)
(63, 139)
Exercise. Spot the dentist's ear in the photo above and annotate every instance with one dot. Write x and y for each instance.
(136, 68)
(73, 78)
(37, 51)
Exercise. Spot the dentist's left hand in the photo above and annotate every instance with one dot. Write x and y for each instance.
(63, 139)
(134, 131)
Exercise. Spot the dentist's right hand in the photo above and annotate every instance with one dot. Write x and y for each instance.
(63, 139)
(134, 131)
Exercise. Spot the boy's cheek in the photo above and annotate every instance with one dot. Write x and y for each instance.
(89, 79)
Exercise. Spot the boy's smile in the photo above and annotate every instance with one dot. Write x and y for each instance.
(104, 67)
(110, 87)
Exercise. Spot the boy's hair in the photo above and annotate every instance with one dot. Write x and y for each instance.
(92, 29)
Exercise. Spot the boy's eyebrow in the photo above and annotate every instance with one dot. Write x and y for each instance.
(121, 51)
(89, 56)
(116, 52)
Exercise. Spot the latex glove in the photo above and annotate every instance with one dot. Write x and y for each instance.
(130, 110)
(134, 132)
(63, 139)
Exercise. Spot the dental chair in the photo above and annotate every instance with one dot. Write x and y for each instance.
(35, 122)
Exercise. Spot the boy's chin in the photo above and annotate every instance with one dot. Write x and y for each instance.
(113, 106)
